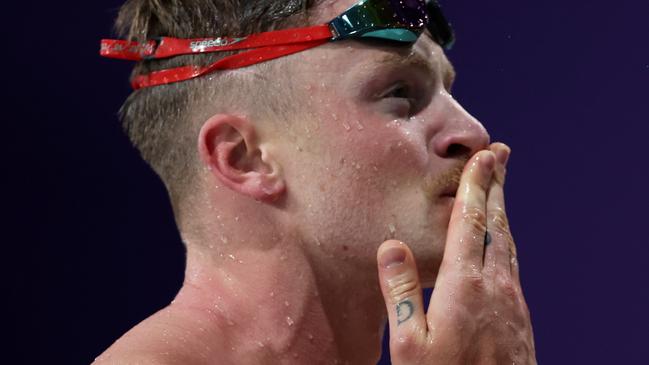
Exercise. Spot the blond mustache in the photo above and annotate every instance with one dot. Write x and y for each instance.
(433, 186)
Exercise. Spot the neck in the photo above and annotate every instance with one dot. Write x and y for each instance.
(279, 302)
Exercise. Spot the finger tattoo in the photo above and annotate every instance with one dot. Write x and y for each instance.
(405, 310)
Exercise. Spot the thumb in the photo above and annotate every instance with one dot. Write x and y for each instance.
(402, 293)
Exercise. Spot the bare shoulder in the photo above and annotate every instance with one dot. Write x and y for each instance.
(169, 337)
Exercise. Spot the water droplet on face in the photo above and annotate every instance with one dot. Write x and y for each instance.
(347, 126)
(310, 336)
(394, 124)
(392, 228)
(359, 125)
(289, 321)
(260, 344)
(286, 303)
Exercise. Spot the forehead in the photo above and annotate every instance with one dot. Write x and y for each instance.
(326, 10)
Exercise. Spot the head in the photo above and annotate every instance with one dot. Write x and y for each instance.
(341, 146)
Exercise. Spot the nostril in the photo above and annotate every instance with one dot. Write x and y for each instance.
(457, 150)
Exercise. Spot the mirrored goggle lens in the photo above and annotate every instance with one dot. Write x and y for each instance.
(372, 15)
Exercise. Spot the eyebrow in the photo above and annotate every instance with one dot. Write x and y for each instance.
(415, 60)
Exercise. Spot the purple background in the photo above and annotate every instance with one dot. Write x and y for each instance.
(92, 246)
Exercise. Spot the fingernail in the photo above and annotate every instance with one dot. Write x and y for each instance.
(393, 257)
(503, 155)
(488, 161)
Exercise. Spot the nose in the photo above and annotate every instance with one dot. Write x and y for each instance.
(458, 134)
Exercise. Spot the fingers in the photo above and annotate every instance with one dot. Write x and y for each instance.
(402, 293)
(497, 252)
(467, 228)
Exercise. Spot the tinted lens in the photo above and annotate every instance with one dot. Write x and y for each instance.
(410, 12)
(371, 15)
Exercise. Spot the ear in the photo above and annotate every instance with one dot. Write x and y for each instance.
(229, 148)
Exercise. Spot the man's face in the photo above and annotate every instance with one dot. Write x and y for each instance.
(378, 150)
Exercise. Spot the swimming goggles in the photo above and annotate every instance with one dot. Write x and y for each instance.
(394, 20)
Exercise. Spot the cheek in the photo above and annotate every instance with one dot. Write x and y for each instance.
(370, 159)
(357, 177)
(392, 150)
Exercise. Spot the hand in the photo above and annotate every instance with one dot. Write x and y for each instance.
(477, 312)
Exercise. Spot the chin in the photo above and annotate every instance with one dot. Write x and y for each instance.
(428, 263)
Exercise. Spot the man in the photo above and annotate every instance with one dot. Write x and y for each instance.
(293, 179)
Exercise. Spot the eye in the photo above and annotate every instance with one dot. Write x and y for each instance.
(399, 90)
(402, 96)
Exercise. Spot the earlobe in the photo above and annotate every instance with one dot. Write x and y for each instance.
(228, 146)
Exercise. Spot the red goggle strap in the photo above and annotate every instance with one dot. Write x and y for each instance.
(126, 50)
(235, 61)
(165, 47)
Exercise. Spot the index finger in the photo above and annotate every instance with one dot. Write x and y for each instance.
(468, 224)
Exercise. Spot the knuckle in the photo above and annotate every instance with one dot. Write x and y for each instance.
(475, 219)
(505, 286)
(475, 283)
(401, 287)
(405, 347)
(499, 221)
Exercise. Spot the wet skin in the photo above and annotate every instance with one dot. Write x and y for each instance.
(292, 211)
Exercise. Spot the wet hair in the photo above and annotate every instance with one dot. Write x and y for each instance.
(158, 120)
